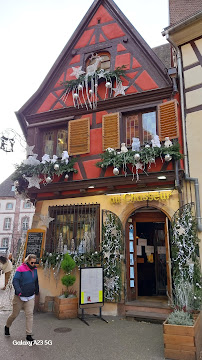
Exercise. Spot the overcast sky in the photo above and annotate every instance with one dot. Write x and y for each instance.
(32, 35)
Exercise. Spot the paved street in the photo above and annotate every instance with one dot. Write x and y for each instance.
(120, 339)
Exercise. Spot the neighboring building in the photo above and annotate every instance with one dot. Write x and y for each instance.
(125, 210)
(185, 36)
(15, 217)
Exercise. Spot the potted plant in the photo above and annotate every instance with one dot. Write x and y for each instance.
(66, 305)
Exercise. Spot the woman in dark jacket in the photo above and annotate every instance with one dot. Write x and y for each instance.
(26, 286)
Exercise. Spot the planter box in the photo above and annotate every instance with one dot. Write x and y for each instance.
(66, 308)
(182, 342)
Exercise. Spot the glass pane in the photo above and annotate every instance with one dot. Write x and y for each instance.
(131, 247)
(61, 142)
(149, 125)
(48, 143)
(131, 259)
(132, 283)
(131, 272)
(132, 129)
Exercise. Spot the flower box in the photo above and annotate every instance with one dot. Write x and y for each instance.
(182, 342)
(66, 308)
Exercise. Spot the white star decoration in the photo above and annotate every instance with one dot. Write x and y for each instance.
(120, 89)
(29, 150)
(77, 72)
(33, 181)
(46, 219)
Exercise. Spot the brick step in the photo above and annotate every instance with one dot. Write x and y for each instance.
(147, 316)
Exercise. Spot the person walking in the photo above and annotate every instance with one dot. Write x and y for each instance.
(26, 286)
(6, 266)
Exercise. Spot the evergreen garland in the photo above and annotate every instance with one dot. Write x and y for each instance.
(185, 259)
(108, 75)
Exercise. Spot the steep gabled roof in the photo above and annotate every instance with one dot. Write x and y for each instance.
(84, 28)
(6, 188)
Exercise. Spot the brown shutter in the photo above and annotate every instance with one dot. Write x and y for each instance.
(168, 120)
(79, 136)
(110, 131)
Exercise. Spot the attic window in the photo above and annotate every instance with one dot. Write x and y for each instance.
(98, 21)
(105, 60)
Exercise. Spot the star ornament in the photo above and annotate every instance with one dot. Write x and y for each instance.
(77, 72)
(33, 181)
(120, 89)
(46, 219)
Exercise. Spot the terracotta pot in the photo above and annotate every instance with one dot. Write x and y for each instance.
(182, 342)
(66, 308)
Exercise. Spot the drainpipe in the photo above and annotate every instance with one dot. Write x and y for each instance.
(187, 177)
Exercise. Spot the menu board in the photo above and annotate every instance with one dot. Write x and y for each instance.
(91, 285)
(34, 243)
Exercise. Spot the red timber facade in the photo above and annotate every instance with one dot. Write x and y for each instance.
(97, 193)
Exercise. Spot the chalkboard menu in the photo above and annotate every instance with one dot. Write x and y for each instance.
(34, 243)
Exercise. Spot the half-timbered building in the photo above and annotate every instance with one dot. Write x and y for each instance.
(109, 105)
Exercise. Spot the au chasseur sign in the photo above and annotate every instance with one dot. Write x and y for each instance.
(145, 196)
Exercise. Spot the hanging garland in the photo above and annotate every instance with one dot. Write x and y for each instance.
(112, 244)
(185, 259)
(145, 155)
(31, 172)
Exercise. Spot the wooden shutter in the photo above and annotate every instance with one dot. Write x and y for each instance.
(110, 131)
(168, 120)
(79, 136)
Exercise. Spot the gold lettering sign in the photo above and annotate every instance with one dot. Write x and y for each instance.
(131, 198)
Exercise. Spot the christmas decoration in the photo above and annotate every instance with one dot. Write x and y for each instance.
(168, 143)
(124, 148)
(115, 171)
(29, 171)
(138, 159)
(185, 259)
(46, 219)
(168, 157)
(29, 150)
(120, 89)
(112, 250)
(136, 144)
(33, 181)
(155, 141)
(85, 88)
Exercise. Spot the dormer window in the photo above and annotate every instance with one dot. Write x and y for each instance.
(103, 64)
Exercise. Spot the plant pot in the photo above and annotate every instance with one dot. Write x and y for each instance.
(182, 342)
(66, 308)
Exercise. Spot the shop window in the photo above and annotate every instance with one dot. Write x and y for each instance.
(75, 227)
(4, 242)
(104, 63)
(25, 223)
(7, 223)
(9, 206)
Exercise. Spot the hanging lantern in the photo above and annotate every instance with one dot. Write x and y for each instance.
(115, 171)
(66, 176)
(56, 167)
(48, 180)
(137, 157)
(108, 85)
(168, 157)
(75, 96)
(80, 87)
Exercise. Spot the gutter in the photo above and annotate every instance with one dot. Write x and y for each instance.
(186, 168)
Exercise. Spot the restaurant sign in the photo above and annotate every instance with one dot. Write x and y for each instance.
(144, 196)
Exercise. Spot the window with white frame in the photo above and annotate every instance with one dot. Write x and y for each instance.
(4, 242)
(7, 223)
(27, 205)
(9, 206)
(25, 223)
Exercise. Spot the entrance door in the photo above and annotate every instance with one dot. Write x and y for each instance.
(148, 255)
